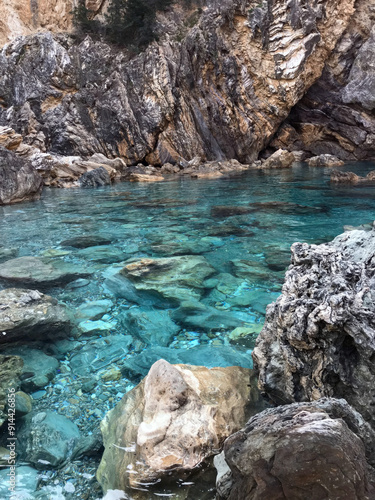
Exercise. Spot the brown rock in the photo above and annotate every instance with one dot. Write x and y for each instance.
(175, 419)
(145, 178)
(339, 177)
(300, 451)
(280, 159)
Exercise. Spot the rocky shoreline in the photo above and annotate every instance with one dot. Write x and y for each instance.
(313, 357)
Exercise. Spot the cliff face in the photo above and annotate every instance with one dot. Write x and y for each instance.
(22, 17)
(337, 113)
(218, 84)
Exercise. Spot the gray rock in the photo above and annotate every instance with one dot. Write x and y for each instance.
(307, 450)
(10, 372)
(361, 85)
(193, 314)
(324, 161)
(95, 178)
(153, 327)
(24, 403)
(94, 310)
(19, 181)
(40, 272)
(100, 353)
(103, 254)
(318, 337)
(46, 439)
(38, 368)
(27, 480)
(32, 315)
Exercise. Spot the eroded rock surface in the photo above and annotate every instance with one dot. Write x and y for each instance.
(308, 450)
(10, 371)
(30, 314)
(170, 423)
(336, 115)
(217, 89)
(19, 181)
(319, 336)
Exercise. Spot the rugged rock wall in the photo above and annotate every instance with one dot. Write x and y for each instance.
(337, 115)
(319, 336)
(22, 17)
(218, 84)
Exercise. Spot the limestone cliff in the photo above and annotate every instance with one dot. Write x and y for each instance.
(218, 84)
(337, 114)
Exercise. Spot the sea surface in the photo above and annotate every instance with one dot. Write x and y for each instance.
(243, 226)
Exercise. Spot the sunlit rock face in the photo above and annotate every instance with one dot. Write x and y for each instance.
(218, 86)
(174, 420)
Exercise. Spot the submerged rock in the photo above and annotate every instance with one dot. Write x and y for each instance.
(104, 254)
(339, 177)
(308, 450)
(173, 421)
(85, 241)
(38, 368)
(19, 181)
(46, 439)
(10, 371)
(210, 356)
(26, 483)
(153, 327)
(318, 337)
(29, 314)
(40, 272)
(173, 279)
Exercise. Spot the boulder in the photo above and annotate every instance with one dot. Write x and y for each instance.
(27, 480)
(38, 368)
(280, 159)
(135, 177)
(172, 278)
(29, 314)
(95, 178)
(173, 421)
(19, 181)
(324, 160)
(307, 450)
(339, 177)
(318, 337)
(153, 327)
(46, 439)
(10, 371)
(104, 254)
(40, 272)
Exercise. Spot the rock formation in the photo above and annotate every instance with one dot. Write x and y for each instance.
(336, 115)
(318, 337)
(18, 179)
(30, 314)
(172, 422)
(307, 450)
(218, 89)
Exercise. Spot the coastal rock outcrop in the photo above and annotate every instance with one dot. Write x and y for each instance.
(172, 422)
(217, 89)
(339, 177)
(319, 336)
(324, 161)
(306, 450)
(19, 181)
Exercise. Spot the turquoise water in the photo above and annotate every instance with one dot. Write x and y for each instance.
(242, 226)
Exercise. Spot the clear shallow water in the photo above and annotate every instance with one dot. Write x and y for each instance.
(247, 242)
